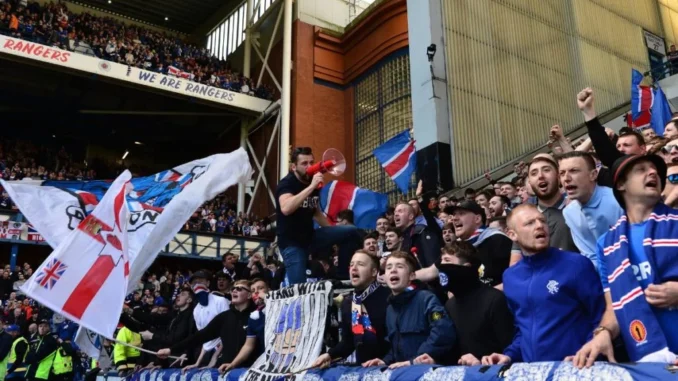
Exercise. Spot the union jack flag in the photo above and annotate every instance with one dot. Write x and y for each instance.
(398, 158)
(50, 274)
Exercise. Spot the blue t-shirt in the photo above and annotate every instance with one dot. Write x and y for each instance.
(221, 226)
(641, 268)
(256, 328)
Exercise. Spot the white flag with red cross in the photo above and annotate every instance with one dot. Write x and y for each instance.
(85, 277)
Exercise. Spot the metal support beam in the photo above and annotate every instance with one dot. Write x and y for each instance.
(261, 170)
(261, 174)
(248, 39)
(270, 46)
(264, 65)
(241, 186)
(286, 89)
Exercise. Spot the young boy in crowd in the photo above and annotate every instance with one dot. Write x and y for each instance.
(254, 344)
(417, 325)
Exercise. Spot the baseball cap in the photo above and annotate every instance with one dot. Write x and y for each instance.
(544, 157)
(624, 163)
(469, 205)
(12, 328)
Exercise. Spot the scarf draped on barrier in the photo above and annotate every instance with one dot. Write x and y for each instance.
(361, 326)
(638, 324)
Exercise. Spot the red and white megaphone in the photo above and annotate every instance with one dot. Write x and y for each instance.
(332, 162)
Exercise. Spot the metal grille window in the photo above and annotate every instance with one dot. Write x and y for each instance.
(226, 37)
(383, 108)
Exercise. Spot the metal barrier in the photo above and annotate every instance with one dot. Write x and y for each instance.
(185, 244)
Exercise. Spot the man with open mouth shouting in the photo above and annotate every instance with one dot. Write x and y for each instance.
(555, 296)
(592, 209)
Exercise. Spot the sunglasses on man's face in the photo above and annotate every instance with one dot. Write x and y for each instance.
(667, 148)
(673, 179)
(240, 289)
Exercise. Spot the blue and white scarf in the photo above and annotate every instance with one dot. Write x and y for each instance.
(481, 234)
(638, 324)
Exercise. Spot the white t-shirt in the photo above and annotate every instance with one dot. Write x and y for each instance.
(203, 315)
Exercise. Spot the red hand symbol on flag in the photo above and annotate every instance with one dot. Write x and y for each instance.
(96, 276)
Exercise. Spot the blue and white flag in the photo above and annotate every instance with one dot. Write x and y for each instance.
(89, 342)
(661, 112)
(397, 157)
(366, 205)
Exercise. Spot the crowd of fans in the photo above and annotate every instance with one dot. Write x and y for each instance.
(110, 39)
(537, 268)
(219, 216)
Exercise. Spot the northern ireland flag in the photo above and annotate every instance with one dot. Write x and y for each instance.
(158, 206)
(366, 205)
(171, 70)
(84, 277)
(397, 157)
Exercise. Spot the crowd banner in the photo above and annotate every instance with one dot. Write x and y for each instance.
(99, 67)
(294, 330)
(543, 371)
(19, 231)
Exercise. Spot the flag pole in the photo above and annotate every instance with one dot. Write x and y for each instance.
(142, 349)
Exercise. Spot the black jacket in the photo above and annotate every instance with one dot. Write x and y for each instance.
(495, 254)
(426, 242)
(605, 150)
(375, 304)
(230, 326)
(41, 348)
(483, 321)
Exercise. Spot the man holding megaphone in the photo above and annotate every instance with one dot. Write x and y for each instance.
(297, 205)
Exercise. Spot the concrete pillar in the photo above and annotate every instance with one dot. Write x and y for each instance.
(430, 104)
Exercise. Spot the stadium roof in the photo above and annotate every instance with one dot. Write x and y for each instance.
(181, 15)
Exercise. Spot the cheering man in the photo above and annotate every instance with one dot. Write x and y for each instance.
(297, 205)
(555, 296)
(363, 314)
(638, 266)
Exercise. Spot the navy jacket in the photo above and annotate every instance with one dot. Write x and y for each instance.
(416, 323)
(557, 300)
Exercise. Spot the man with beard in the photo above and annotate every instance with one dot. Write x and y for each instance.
(638, 267)
(592, 209)
(417, 239)
(493, 246)
(498, 205)
(230, 326)
(555, 296)
(370, 243)
(479, 312)
(542, 176)
(297, 205)
(393, 239)
(363, 314)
